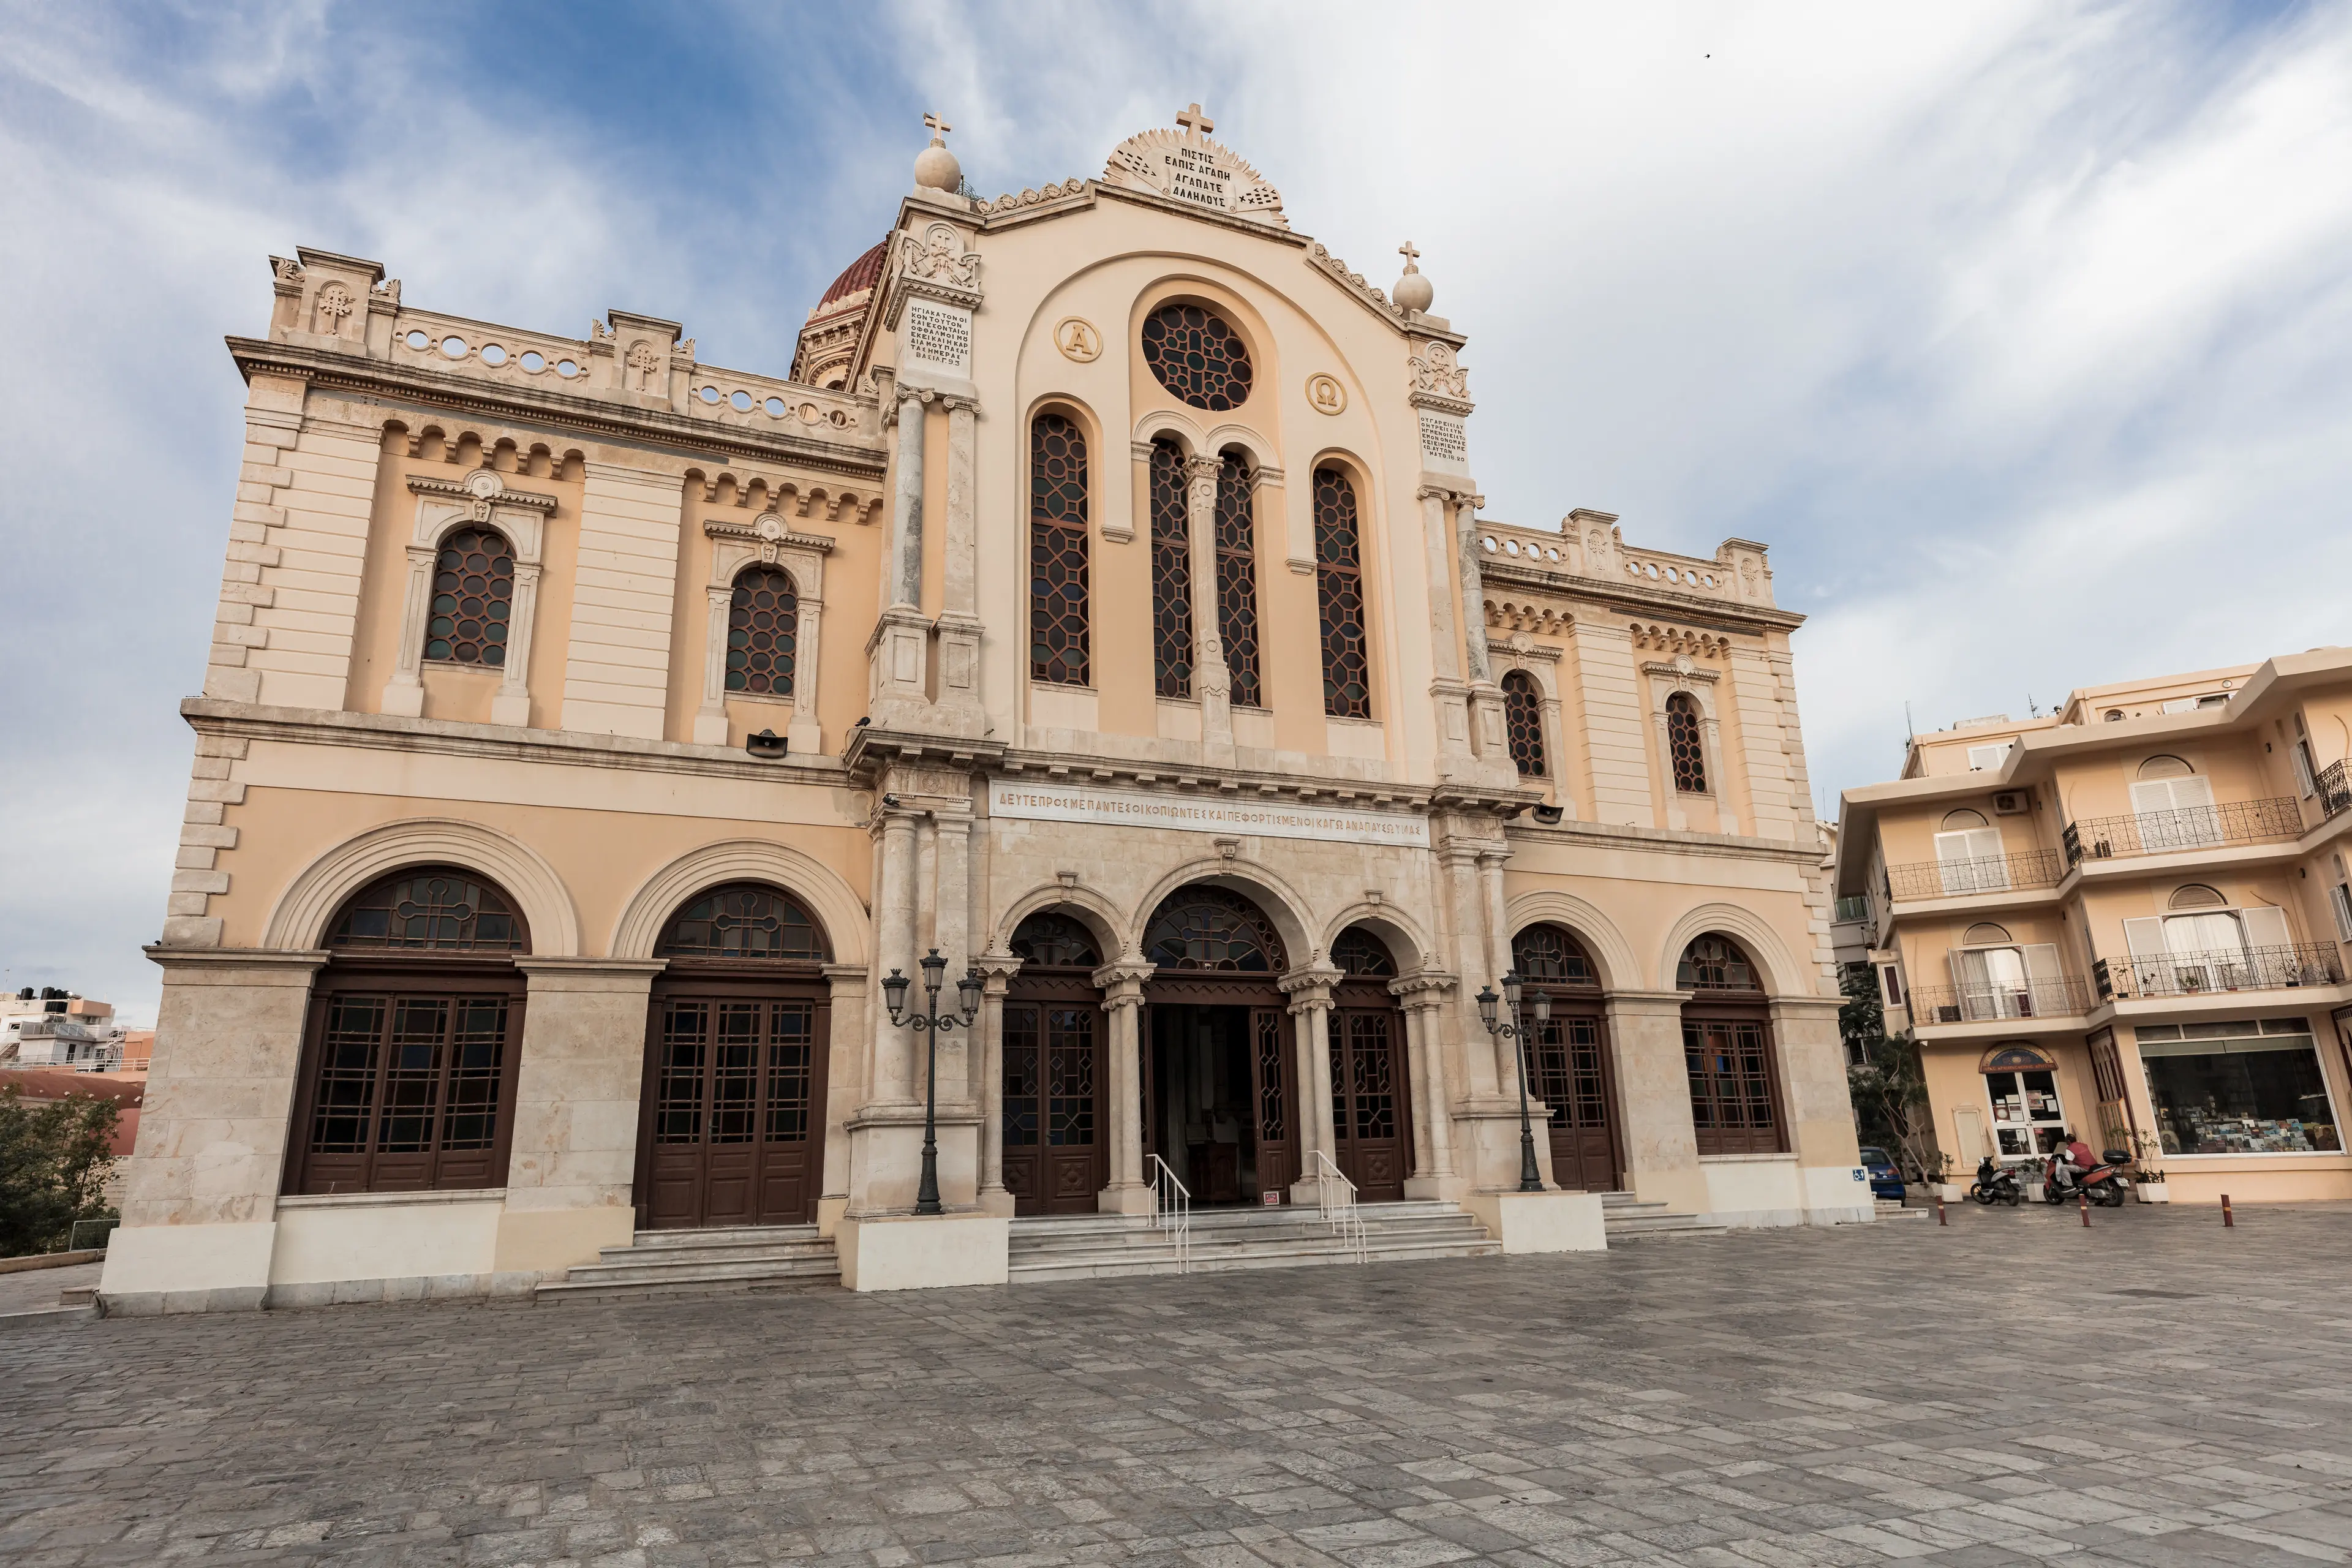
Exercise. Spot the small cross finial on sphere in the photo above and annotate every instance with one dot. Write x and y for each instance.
(1194, 120)
(939, 128)
(1410, 255)
(1413, 292)
(935, 167)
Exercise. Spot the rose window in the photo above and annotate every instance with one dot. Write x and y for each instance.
(1198, 357)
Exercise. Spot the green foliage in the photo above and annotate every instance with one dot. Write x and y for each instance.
(1886, 1079)
(54, 1162)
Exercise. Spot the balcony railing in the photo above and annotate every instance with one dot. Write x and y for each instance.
(2335, 791)
(1990, 874)
(2222, 969)
(2191, 828)
(1849, 910)
(2064, 996)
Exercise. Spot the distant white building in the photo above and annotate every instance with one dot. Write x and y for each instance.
(54, 1027)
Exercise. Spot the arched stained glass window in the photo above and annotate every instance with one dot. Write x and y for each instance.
(1523, 715)
(1546, 955)
(1357, 952)
(1197, 356)
(1049, 941)
(1340, 589)
(1204, 927)
(1058, 640)
(430, 909)
(1172, 574)
(473, 599)
(1683, 748)
(1237, 578)
(1715, 964)
(763, 627)
(747, 920)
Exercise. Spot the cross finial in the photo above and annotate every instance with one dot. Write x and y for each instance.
(1410, 255)
(1194, 120)
(939, 128)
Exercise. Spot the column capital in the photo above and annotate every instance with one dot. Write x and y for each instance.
(1204, 465)
(959, 401)
(1124, 982)
(996, 971)
(1423, 988)
(1309, 986)
(276, 965)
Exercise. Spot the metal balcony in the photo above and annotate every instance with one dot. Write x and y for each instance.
(1990, 874)
(2219, 970)
(2193, 827)
(2062, 997)
(2335, 791)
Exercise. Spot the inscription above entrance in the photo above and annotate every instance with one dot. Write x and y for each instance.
(1199, 813)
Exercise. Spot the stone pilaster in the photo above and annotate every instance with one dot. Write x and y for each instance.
(1213, 679)
(958, 623)
(1423, 997)
(996, 971)
(1122, 987)
(1310, 991)
(1660, 1152)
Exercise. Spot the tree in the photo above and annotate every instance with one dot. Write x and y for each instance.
(55, 1157)
(1884, 1077)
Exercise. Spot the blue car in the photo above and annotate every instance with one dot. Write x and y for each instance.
(1885, 1181)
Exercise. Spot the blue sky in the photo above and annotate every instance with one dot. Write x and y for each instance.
(2021, 332)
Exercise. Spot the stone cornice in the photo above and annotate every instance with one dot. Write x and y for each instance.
(1721, 614)
(590, 417)
(1150, 198)
(1618, 837)
(557, 748)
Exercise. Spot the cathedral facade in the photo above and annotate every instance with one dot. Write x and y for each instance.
(605, 759)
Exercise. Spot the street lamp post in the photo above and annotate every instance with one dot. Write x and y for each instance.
(931, 1025)
(1515, 1031)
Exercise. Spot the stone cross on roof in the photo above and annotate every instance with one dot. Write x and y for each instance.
(1410, 255)
(938, 125)
(1194, 120)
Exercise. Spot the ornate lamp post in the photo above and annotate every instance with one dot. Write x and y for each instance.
(930, 1026)
(1531, 1180)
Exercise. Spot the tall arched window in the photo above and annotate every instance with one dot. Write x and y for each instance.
(1204, 927)
(473, 599)
(1684, 747)
(1058, 641)
(763, 626)
(1523, 713)
(1339, 586)
(1728, 1051)
(407, 1083)
(1237, 578)
(1172, 574)
(1567, 1056)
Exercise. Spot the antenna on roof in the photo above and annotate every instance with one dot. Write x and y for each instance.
(1909, 729)
(2031, 706)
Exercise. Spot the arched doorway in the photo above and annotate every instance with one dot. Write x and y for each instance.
(1055, 1070)
(1568, 1058)
(1371, 1102)
(416, 1025)
(1728, 1050)
(732, 1126)
(1221, 1101)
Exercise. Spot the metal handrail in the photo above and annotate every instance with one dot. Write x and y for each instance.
(2334, 790)
(2051, 996)
(1985, 874)
(2190, 828)
(1341, 1214)
(2218, 969)
(1171, 1207)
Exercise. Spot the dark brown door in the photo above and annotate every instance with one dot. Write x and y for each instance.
(734, 1129)
(1056, 1067)
(1734, 1093)
(1272, 1078)
(1569, 1072)
(1368, 1099)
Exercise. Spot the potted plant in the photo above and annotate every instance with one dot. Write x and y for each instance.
(2149, 1187)
(1950, 1191)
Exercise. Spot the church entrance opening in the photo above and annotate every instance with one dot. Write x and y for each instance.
(1370, 1102)
(1056, 1071)
(1567, 1058)
(732, 1130)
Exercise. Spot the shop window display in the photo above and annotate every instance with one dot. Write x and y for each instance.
(2026, 1116)
(2238, 1087)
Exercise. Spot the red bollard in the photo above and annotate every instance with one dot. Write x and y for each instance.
(2229, 1220)
(2083, 1201)
(1940, 1211)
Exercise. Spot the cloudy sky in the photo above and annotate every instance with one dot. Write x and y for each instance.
(2022, 332)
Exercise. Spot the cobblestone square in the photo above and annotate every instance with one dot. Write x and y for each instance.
(2154, 1390)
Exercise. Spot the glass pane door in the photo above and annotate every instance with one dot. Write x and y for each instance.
(2026, 1116)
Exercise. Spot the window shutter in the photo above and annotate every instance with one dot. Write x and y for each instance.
(2041, 961)
(2151, 796)
(2266, 926)
(1952, 846)
(2145, 939)
(2340, 897)
(2305, 785)
(1970, 971)
(2192, 793)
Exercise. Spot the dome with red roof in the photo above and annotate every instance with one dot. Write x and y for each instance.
(861, 274)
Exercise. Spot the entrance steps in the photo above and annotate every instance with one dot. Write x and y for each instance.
(704, 1262)
(1102, 1247)
(1627, 1219)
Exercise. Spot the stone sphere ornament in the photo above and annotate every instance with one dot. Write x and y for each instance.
(1413, 292)
(935, 167)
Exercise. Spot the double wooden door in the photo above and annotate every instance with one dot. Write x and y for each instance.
(733, 1127)
(1056, 1070)
(1568, 1070)
(1244, 1151)
(1370, 1101)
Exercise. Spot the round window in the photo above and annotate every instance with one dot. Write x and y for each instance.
(1197, 356)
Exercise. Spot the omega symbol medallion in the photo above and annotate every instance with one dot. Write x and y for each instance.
(1325, 394)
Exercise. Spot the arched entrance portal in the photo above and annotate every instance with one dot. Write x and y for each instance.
(1371, 1112)
(732, 1126)
(1220, 1090)
(1568, 1059)
(1056, 1071)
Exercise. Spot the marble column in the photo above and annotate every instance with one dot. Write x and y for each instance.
(894, 1063)
(996, 973)
(958, 623)
(1310, 1012)
(1122, 985)
(1473, 587)
(1212, 680)
(1473, 960)
(1446, 687)
(907, 502)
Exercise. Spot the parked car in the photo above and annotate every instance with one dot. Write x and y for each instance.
(1886, 1179)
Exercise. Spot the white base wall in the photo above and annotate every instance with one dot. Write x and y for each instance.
(1541, 1221)
(155, 1269)
(1767, 1190)
(921, 1252)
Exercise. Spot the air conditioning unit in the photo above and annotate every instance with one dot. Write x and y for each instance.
(2011, 802)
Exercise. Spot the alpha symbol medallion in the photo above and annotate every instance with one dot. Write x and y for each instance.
(1078, 340)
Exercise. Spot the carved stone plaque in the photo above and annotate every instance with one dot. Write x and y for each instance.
(1187, 167)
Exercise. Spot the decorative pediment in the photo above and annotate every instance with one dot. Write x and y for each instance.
(935, 265)
(479, 493)
(1185, 166)
(1440, 380)
(767, 536)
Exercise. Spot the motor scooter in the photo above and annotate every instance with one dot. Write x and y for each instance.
(2104, 1184)
(1996, 1185)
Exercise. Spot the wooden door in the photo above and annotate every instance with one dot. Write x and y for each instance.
(1056, 1134)
(733, 1132)
(1277, 1099)
(1369, 1099)
(1568, 1071)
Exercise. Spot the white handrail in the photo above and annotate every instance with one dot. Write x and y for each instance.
(1339, 1213)
(1171, 1207)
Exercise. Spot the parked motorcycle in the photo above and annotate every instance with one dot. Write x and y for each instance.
(2106, 1183)
(1996, 1185)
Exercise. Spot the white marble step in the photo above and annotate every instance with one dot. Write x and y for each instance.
(666, 1261)
(1108, 1245)
(1625, 1217)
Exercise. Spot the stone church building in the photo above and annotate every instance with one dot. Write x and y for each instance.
(590, 735)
